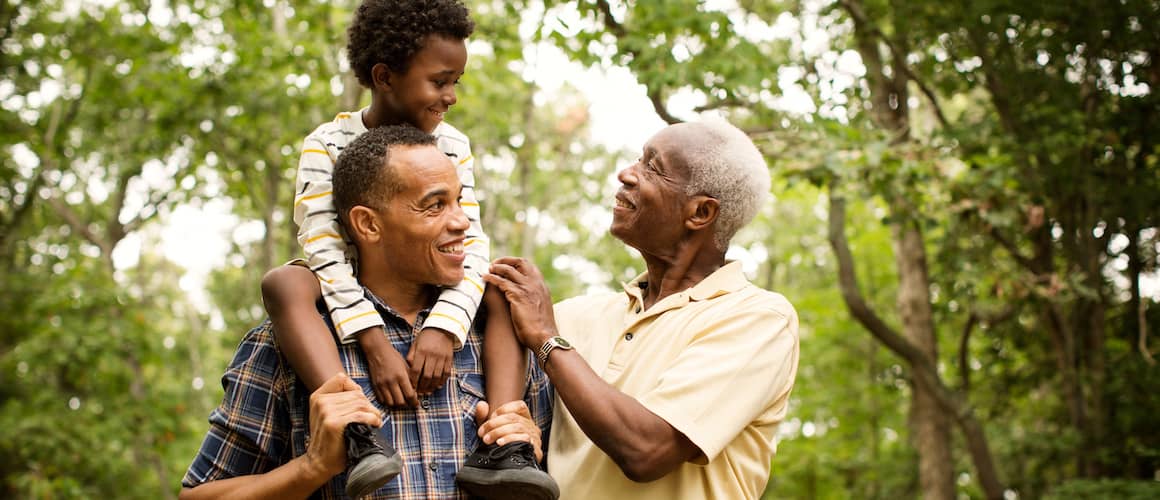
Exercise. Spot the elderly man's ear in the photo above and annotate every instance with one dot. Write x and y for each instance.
(701, 211)
(364, 224)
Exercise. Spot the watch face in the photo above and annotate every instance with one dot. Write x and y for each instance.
(560, 341)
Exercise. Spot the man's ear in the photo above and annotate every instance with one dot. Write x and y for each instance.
(381, 75)
(701, 212)
(364, 224)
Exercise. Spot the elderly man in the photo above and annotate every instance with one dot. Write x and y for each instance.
(398, 198)
(675, 387)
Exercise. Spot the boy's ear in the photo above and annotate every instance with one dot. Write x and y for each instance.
(364, 224)
(381, 75)
(701, 212)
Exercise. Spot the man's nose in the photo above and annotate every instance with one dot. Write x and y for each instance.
(627, 175)
(459, 221)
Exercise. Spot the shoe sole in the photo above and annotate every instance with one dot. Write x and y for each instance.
(371, 473)
(512, 484)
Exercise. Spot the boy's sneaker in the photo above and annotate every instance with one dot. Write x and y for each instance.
(506, 472)
(373, 464)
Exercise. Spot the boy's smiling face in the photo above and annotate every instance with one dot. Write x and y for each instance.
(426, 90)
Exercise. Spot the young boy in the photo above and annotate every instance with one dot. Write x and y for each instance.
(410, 54)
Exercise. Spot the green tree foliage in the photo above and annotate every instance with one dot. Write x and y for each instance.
(1014, 141)
(997, 141)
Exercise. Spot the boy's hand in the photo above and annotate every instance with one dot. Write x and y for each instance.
(389, 371)
(430, 360)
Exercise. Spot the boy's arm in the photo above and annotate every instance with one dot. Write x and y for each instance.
(323, 241)
(456, 308)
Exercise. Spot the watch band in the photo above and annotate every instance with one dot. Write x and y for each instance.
(551, 344)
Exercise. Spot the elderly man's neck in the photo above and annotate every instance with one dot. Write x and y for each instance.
(679, 270)
(407, 299)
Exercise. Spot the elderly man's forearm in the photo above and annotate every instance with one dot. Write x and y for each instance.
(643, 445)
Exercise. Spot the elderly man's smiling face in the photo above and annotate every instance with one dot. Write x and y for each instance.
(651, 203)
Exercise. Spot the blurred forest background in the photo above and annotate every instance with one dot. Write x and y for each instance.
(966, 217)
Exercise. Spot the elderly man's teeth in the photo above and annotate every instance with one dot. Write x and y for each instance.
(451, 249)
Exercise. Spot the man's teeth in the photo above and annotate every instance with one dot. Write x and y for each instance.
(622, 204)
(451, 249)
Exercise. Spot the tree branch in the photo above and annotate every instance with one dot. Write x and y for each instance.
(70, 217)
(617, 29)
(973, 319)
(898, 58)
(964, 353)
(852, 294)
(1023, 260)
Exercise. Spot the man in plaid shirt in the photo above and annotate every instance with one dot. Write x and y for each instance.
(399, 197)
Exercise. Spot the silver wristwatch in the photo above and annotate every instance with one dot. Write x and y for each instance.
(552, 343)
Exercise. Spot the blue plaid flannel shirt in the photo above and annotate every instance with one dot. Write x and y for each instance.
(262, 420)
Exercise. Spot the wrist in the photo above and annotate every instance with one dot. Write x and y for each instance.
(313, 471)
(450, 336)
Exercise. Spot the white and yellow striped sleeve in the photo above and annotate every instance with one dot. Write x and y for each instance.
(324, 242)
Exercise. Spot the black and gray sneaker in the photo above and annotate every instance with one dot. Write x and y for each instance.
(506, 472)
(373, 464)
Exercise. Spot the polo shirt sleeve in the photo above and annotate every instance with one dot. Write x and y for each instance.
(738, 369)
(249, 431)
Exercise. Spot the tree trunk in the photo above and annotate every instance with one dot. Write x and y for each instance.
(930, 432)
(922, 367)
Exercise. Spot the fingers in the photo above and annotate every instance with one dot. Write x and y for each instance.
(507, 414)
(481, 411)
(394, 395)
(346, 406)
(383, 393)
(409, 396)
(517, 407)
(338, 383)
(415, 369)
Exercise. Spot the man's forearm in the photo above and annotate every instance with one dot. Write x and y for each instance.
(297, 478)
(642, 444)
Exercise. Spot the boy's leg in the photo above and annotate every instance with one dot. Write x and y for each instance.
(289, 293)
(509, 471)
(505, 361)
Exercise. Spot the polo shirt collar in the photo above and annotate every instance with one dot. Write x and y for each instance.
(726, 279)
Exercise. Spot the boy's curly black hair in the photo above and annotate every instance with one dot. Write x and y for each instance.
(392, 31)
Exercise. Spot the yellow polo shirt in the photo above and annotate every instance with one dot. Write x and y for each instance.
(716, 361)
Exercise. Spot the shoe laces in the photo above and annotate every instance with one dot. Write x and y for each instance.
(512, 451)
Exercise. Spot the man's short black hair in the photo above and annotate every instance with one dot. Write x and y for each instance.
(363, 175)
(392, 31)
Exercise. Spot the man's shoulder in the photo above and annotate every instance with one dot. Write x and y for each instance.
(755, 297)
(589, 303)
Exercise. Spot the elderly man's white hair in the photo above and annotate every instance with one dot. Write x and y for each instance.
(725, 164)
